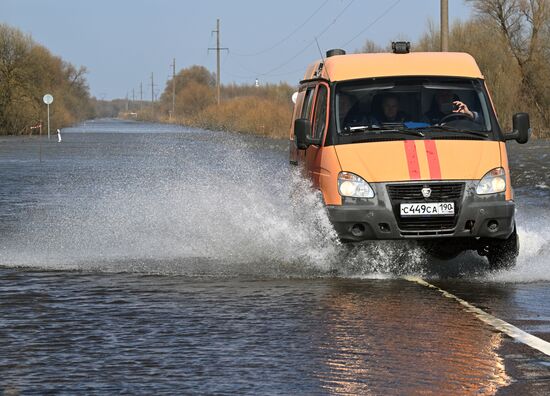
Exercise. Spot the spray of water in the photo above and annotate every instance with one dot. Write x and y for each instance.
(234, 215)
(534, 260)
(205, 205)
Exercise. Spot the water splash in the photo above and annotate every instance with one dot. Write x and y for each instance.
(227, 216)
(534, 259)
(203, 203)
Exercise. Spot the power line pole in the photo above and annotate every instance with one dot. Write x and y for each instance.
(152, 95)
(140, 95)
(173, 114)
(218, 49)
(444, 25)
(133, 98)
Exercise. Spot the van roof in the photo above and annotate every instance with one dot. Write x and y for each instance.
(356, 66)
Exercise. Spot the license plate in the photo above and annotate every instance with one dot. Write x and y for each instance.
(428, 209)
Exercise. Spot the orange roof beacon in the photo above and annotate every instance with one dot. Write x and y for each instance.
(407, 146)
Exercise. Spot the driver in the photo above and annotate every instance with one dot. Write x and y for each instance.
(445, 103)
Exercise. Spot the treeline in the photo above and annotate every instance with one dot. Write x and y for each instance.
(264, 110)
(510, 39)
(27, 72)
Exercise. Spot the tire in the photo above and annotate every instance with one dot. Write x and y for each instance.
(502, 254)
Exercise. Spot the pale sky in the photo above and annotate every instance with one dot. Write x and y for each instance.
(121, 42)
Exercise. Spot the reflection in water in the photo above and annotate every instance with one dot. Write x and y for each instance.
(390, 338)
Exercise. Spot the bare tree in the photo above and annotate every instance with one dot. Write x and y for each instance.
(525, 26)
(371, 47)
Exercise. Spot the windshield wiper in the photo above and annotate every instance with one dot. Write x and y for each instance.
(451, 129)
(379, 130)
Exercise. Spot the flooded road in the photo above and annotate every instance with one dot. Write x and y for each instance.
(141, 258)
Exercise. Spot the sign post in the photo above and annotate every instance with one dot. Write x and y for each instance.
(48, 99)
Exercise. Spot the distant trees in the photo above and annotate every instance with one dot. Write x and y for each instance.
(110, 108)
(371, 47)
(524, 27)
(510, 39)
(264, 110)
(28, 71)
(194, 91)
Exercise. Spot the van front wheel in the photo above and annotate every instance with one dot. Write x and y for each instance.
(502, 254)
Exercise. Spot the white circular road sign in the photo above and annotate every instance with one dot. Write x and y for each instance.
(48, 99)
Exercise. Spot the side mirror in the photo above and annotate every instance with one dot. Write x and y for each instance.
(522, 128)
(302, 131)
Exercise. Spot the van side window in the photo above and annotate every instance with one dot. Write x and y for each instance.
(308, 103)
(320, 112)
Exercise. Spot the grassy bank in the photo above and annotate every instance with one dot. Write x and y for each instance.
(261, 110)
(248, 114)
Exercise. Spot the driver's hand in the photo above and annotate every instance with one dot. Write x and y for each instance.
(462, 108)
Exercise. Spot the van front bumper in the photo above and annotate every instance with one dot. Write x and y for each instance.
(478, 216)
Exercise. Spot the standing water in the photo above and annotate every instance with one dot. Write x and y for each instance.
(148, 258)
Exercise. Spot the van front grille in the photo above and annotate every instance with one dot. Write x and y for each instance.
(440, 192)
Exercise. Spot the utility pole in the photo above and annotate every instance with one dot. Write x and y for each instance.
(218, 49)
(152, 95)
(140, 95)
(444, 25)
(173, 113)
(133, 99)
(126, 101)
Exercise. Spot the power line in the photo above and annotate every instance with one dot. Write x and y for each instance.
(286, 37)
(310, 43)
(253, 74)
(334, 20)
(372, 23)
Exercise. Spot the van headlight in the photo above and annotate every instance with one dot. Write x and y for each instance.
(493, 182)
(351, 185)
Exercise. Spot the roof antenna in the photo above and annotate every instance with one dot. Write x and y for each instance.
(322, 58)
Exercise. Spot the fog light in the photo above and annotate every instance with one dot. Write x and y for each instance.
(492, 226)
(358, 230)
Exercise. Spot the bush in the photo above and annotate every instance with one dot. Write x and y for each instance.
(27, 72)
(265, 110)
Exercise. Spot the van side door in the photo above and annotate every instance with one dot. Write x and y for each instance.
(305, 112)
(297, 113)
(313, 153)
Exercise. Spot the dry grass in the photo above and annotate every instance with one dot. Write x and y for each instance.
(248, 114)
(264, 111)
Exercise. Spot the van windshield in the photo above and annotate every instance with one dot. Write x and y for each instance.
(436, 107)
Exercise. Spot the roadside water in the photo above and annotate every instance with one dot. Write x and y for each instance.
(145, 258)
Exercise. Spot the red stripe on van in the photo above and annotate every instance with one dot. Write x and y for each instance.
(412, 159)
(433, 159)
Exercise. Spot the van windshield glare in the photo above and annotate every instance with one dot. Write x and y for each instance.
(440, 107)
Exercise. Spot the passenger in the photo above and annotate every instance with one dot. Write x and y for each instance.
(390, 111)
(444, 103)
(351, 112)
